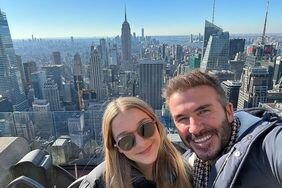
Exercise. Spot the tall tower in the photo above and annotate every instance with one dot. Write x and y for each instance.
(77, 72)
(217, 52)
(11, 83)
(126, 41)
(104, 52)
(96, 81)
(210, 29)
(254, 87)
(151, 73)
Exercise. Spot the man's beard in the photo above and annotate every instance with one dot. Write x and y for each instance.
(223, 133)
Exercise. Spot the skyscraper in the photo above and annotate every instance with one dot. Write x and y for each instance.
(236, 46)
(55, 72)
(254, 87)
(51, 94)
(29, 67)
(104, 53)
(57, 58)
(217, 52)
(77, 72)
(232, 89)
(96, 81)
(11, 83)
(126, 41)
(210, 29)
(151, 73)
(38, 79)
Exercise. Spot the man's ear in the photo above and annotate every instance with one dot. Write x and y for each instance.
(229, 112)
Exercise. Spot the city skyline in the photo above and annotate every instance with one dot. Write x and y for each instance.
(65, 18)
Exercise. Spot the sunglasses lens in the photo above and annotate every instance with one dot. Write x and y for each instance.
(147, 130)
(126, 142)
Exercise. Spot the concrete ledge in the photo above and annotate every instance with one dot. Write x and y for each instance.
(12, 149)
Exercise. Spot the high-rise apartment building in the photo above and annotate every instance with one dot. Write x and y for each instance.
(254, 87)
(151, 74)
(95, 74)
(126, 41)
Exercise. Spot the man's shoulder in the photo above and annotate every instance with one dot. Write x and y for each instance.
(252, 118)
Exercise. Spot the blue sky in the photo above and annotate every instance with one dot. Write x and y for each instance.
(89, 18)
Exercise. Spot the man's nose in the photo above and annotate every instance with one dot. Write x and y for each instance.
(195, 125)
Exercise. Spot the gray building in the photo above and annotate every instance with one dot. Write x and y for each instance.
(126, 41)
(96, 77)
(38, 79)
(210, 29)
(254, 87)
(11, 83)
(151, 74)
(232, 88)
(217, 52)
(51, 94)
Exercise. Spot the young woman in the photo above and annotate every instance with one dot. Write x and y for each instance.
(137, 150)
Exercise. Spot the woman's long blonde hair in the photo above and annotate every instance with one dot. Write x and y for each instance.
(169, 170)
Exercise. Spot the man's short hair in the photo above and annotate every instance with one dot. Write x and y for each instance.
(193, 79)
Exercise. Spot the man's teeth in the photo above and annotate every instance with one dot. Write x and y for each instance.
(202, 139)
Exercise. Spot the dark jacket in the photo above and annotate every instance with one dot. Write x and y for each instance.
(95, 179)
(255, 160)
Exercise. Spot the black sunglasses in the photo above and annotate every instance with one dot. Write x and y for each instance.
(126, 142)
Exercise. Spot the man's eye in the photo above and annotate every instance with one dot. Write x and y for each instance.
(204, 111)
(182, 119)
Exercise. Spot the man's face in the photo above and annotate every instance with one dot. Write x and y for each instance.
(202, 122)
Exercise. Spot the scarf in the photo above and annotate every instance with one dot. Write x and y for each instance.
(202, 168)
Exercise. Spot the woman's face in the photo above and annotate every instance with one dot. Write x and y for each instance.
(134, 125)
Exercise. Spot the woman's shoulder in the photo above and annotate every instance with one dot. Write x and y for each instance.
(95, 178)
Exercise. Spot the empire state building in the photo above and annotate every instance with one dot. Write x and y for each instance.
(126, 42)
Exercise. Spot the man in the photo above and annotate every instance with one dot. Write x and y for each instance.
(229, 150)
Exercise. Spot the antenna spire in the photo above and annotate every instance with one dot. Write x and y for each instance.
(264, 26)
(125, 14)
(213, 9)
